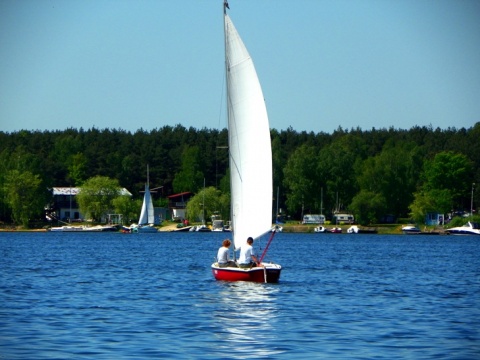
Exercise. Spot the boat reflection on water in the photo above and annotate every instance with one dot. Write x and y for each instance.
(248, 314)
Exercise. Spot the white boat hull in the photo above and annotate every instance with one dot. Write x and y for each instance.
(410, 229)
(470, 228)
(98, 228)
(144, 229)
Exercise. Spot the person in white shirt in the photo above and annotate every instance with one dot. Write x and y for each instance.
(247, 257)
(223, 255)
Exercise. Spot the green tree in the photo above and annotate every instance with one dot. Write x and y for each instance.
(77, 169)
(335, 169)
(224, 185)
(24, 195)
(434, 200)
(207, 202)
(446, 182)
(189, 178)
(449, 171)
(129, 208)
(368, 207)
(300, 179)
(4, 168)
(278, 163)
(96, 196)
(393, 173)
(121, 155)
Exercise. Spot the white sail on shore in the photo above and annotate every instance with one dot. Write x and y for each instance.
(249, 143)
(147, 212)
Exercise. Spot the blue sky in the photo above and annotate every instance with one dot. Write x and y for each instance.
(131, 64)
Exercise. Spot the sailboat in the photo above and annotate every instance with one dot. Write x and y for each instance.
(250, 158)
(147, 214)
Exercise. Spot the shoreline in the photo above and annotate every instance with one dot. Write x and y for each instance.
(287, 228)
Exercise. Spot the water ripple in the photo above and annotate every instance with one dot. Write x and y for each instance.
(107, 296)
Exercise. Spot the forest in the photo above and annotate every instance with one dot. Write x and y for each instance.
(374, 173)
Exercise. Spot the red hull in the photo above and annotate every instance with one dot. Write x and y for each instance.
(256, 274)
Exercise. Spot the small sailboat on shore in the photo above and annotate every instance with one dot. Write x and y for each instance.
(250, 157)
(147, 214)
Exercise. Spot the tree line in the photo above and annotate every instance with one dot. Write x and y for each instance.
(403, 173)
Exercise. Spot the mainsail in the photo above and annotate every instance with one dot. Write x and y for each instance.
(147, 215)
(249, 142)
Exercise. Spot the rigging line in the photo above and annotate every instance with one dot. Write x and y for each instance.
(268, 244)
(221, 102)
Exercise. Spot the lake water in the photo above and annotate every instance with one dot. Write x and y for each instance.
(139, 296)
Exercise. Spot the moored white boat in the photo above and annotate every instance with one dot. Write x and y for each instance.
(183, 228)
(82, 228)
(67, 228)
(203, 228)
(410, 229)
(354, 229)
(320, 229)
(470, 228)
(217, 225)
(277, 228)
(147, 228)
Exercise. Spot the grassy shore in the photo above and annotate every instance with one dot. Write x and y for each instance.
(384, 229)
(291, 227)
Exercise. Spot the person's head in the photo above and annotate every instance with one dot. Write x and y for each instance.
(226, 243)
(250, 241)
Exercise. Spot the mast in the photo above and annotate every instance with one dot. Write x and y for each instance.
(148, 187)
(321, 201)
(278, 193)
(203, 205)
(225, 7)
(148, 175)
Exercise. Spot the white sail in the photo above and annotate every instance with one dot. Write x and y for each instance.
(249, 142)
(147, 213)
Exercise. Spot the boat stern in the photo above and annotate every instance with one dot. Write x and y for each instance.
(267, 273)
